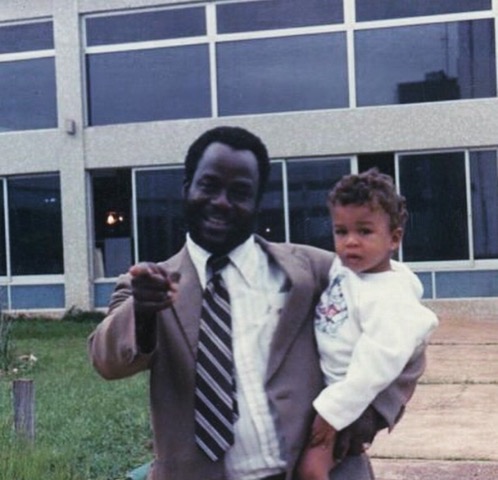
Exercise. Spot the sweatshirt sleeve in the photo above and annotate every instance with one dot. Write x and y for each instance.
(394, 326)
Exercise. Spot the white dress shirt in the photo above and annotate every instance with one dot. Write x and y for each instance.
(256, 293)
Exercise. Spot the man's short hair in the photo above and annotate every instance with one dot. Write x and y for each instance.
(237, 138)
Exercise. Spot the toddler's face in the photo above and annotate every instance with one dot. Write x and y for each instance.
(363, 238)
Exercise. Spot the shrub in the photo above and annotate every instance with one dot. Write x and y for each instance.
(6, 343)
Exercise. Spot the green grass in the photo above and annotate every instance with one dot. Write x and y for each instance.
(86, 428)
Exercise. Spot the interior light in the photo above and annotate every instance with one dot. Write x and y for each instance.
(112, 218)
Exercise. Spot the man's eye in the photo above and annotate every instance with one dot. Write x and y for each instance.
(206, 186)
(241, 194)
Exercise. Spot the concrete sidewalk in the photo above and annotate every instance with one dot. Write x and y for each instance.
(450, 428)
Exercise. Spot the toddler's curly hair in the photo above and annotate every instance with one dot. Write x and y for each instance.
(371, 188)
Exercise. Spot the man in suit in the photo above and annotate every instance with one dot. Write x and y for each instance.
(154, 322)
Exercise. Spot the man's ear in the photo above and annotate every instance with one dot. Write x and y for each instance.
(185, 187)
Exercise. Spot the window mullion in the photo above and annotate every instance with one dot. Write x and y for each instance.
(468, 193)
(211, 35)
(285, 194)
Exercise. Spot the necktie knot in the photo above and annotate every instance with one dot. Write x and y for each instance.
(218, 262)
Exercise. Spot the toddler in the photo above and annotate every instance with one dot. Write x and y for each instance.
(369, 321)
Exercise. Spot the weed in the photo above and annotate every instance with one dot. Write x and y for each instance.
(77, 315)
(86, 428)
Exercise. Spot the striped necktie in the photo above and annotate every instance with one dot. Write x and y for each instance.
(215, 396)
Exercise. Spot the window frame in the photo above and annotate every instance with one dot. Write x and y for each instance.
(282, 164)
(212, 38)
(471, 262)
(27, 55)
(9, 281)
(134, 46)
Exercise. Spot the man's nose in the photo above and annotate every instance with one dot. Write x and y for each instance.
(221, 199)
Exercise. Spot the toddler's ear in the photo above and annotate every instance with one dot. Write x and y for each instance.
(396, 237)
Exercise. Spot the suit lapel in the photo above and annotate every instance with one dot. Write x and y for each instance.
(187, 307)
(299, 303)
(297, 310)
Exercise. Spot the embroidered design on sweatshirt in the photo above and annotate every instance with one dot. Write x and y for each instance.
(332, 310)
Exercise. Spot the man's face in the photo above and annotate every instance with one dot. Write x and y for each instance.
(221, 200)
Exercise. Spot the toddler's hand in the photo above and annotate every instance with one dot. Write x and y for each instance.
(322, 433)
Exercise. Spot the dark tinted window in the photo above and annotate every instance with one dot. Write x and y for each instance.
(27, 94)
(271, 218)
(275, 14)
(35, 225)
(484, 194)
(426, 63)
(26, 37)
(437, 227)
(384, 9)
(161, 228)
(309, 182)
(146, 26)
(113, 252)
(384, 162)
(3, 253)
(282, 74)
(147, 85)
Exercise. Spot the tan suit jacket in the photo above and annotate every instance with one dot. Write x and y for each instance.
(292, 381)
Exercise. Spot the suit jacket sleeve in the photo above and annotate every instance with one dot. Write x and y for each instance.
(391, 402)
(113, 344)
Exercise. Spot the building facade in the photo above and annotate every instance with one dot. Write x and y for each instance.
(99, 101)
